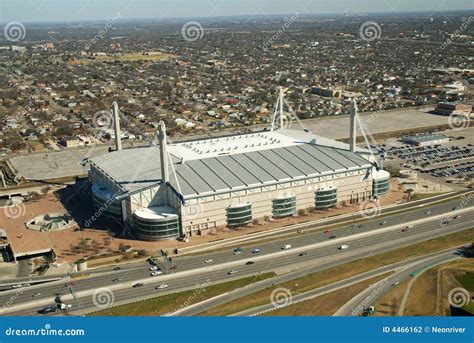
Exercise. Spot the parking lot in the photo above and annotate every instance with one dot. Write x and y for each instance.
(431, 154)
(463, 170)
(451, 161)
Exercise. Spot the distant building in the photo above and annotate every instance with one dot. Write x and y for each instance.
(327, 92)
(71, 142)
(449, 108)
(425, 139)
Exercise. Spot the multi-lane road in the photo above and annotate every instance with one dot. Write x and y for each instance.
(368, 238)
(371, 295)
(356, 305)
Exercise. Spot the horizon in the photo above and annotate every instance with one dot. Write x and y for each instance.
(77, 11)
(229, 17)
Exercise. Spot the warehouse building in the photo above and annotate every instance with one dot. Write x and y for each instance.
(425, 139)
(167, 191)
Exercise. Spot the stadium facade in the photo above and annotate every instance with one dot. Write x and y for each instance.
(167, 191)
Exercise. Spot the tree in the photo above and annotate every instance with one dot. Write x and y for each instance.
(95, 247)
(83, 246)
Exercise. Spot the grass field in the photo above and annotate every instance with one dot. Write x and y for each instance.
(172, 302)
(389, 304)
(328, 276)
(429, 293)
(151, 56)
(327, 304)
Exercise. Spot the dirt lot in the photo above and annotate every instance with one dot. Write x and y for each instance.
(76, 201)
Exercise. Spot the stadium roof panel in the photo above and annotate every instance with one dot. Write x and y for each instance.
(285, 159)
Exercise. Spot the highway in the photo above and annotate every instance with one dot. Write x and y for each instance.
(371, 238)
(398, 268)
(371, 295)
(396, 216)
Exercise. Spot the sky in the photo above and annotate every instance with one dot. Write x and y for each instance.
(79, 10)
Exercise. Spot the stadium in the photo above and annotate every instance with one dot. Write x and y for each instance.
(170, 191)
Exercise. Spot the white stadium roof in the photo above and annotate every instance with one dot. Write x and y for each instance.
(231, 163)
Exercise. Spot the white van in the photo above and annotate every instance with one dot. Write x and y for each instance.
(286, 247)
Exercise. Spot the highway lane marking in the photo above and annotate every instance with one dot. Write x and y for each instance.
(231, 264)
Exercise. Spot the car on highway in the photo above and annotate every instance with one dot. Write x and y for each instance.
(404, 230)
(428, 212)
(48, 309)
(383, 222)
(409, 226)
(117, 279)
(344, 247)
(117, 268)
(256, 251)
(161, 286)
(237, 251)
(209, 260)
(332, 237)
(152, 268)
(35, 295)
(138, 284)
(286, 247)
(303, 254)
(233, 271)
(250, 262)
(156, 273)
(368, 311)
(457, 217)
